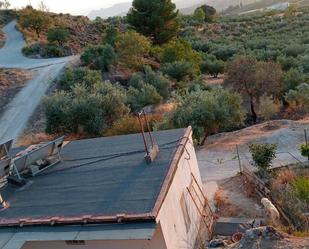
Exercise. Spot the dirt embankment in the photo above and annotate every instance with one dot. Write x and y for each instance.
(2, 38)
(5, 17)
(82, 30)
(11, 81)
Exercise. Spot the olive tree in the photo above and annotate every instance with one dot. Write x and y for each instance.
(208, 112)
(254, 79)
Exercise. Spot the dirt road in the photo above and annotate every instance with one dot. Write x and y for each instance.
(21, 108)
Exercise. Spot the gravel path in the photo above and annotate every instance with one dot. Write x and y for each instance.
(21, 108)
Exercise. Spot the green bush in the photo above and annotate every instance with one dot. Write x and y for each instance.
(225, 52)
(292, 79)
(83, 110)
(299, 97)
(157, 80)
(213, 67)
(98, 57)
(54, 51)
(178, 70)
(31, 50)
(85, 76)
(132, 48)
(304, 149)
(137, 98)
(301, 186)
(263, 155)
(288, 63)
(305, 63)
(208, 112)
(58, 35)
(294, 50)
(181, 50)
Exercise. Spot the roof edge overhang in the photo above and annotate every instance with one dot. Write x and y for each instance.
(78, 220)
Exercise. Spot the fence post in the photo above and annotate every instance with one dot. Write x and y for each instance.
(239, 161)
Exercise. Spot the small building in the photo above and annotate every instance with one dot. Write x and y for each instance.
(103, 195)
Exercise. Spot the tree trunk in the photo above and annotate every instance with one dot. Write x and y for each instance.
(254, 115)
(204, 139)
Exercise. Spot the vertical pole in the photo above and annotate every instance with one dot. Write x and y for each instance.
(306, 139)
(239, 161)
(143, 133)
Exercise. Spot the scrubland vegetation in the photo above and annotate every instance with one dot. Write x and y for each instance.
(263, 59)
(127, 65)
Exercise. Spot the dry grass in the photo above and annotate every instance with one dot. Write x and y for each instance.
(130, 125)
(224, 206)
(30, 139)
(11, 78)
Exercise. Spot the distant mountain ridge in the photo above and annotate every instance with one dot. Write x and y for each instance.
(185, 7)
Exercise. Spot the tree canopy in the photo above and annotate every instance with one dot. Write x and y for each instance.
(156, 19)
(35, 20)
(254, 79)
(208, 112)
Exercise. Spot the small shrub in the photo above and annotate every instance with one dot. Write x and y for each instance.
(130, 125)
(299, 97)
(54, 51)
(178, 70)
(98, 57)
(213, 67)
(301, 186)
(85, 76)
(181, 50)
(263, 155)
(132, 48)
(268, 108)
(146, 95)
(58, 35)
(28, 51)
(304, 149)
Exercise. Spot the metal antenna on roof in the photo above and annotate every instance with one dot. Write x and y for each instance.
(153, 150)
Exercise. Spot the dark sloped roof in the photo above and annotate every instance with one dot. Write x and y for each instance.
(97, 177)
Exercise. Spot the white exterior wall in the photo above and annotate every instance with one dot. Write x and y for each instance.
(171, 215)
(157, 242)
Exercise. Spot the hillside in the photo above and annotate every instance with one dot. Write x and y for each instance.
(262, 5)
(75, 25)
(185, 7)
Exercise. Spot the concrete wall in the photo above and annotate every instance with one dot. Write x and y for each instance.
(157, 242)
(171, 215)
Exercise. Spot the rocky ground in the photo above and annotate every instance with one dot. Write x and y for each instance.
(261, 238)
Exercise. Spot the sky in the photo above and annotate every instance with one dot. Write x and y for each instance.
(69, 6)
